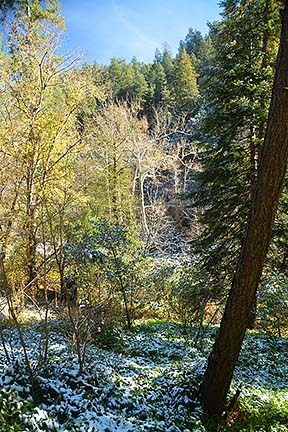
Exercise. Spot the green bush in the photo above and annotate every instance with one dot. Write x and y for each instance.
(11, 412)
(273, 305)
(110, 336)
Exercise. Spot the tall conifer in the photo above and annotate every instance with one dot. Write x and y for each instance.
(236, 88)
(185, 82)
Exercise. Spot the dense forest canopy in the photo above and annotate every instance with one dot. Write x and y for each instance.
(125, 189)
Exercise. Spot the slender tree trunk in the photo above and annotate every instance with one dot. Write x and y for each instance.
(255, 151)
(114, 188)
(222, 360)
(264, 65)
(123, 290)
(142, 198)
(30, 224)
(253, 176)
(44, 356)
(108, 183)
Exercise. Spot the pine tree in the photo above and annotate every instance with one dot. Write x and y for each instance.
(139, 86)
(127, 80)
(236, 88)
(193, 43)
(272, 167)
(185, 83)
(121, 75)
(168, 65)
(158, 94)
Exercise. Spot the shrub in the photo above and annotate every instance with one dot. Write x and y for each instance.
(11, 412)
(273, 305)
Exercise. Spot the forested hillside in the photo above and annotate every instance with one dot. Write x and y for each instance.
(125, 191)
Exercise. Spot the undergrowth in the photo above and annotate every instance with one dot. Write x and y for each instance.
(145, 379)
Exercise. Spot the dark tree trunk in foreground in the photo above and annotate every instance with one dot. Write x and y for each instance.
(222, 360)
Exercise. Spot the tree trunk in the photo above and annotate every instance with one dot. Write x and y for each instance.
(31, 242)
(222, 360)
(142, 198)
(254, 151)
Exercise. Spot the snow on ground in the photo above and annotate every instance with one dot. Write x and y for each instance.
(146, 381)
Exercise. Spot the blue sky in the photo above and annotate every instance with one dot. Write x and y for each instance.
(102, 29)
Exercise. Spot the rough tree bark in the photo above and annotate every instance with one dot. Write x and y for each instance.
(225, 352)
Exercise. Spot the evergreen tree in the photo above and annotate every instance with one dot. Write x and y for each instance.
(236, 87)
(127, 80)
(158, 82)
(272, 167)
(185, 83)
(207, 56)
(121, 75)
(193, 43)
(158, 91)
(158, 55)
(168, 65)
(139, 85)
